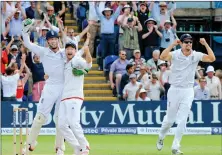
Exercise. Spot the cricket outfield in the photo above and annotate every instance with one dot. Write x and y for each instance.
(128, 145)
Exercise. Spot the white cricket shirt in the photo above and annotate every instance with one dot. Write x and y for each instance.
(9, 85)
(73, 86)
(183, 68)
(53, 63)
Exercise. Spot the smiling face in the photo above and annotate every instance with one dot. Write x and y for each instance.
(70, 52)
(53, 43)
(187, 45)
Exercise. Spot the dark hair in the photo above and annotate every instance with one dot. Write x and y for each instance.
(9, 71)
(129, 66)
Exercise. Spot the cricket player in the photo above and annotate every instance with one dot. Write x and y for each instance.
(53, 59)
(181, 93)
(72, 98)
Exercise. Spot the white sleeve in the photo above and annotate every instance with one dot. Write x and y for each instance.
(77, 38)
(199, 56)
(16, 76)
(80, 52)
(38, 50)
(56, 29)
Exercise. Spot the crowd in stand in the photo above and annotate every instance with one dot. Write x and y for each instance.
(135, 32)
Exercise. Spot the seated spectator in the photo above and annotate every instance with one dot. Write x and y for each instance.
(22, 82)
(151, 36)
(137, 61)
(130, 37)
(16, 22)
(144, 76)
(201, 92)
(153, 63)
(30, 11)
(117, 69)
(141, 94)
(107, 19)
(154, 88)
(125, 77)
(10, 81)
(129, 91)
(169, 33)
(213, 83)
(37, 76)
(161, 13)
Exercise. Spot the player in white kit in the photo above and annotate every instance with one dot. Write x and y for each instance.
(72, 98)
(181, 93)
(53, 59)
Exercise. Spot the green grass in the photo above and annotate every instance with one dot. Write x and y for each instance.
(128, 145)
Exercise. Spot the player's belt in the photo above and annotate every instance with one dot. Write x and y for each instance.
(69, 98)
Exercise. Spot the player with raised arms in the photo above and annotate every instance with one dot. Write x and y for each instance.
(181, 93)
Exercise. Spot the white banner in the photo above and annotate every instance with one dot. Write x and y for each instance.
(189, 131)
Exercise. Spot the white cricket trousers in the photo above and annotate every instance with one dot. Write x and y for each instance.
(69, 123)
(178, 108)
(51, 95)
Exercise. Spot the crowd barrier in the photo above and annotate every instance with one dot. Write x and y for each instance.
(123, 117)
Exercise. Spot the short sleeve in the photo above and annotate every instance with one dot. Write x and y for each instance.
(113, 66)
(199, 56)
(16, 76)
(77, 38)
(173, 53)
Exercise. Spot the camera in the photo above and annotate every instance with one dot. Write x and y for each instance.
(167, 39)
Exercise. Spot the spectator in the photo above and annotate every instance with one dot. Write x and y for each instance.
(213, 83)
(95, 26)
(137, 61)
(16, 19)
(154, 88)
(164, 75)
(152, 63)
(122, 20)
(14, 54)
(200, 72)
(5, 52)
(10, 80)
(51, 15)
(161, 13)
(4, 19)
(42, 37)
(81, 13)
(30, 11)
(9, 8)
(117, 69)
(107, 19)
(41, 9)
(130, 37)
(125, 77)
(60, 9)
(169, 34)
(22, 82)
(129, 91)
(141, 94)
(144, 76)
(218, 72)
(201, 92)
(37, 76)
(143, 14)
(219, 75)
(151, 37)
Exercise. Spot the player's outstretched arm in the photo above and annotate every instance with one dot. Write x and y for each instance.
(210, 57)
(166, 55)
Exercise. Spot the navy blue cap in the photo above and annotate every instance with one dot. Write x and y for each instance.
(51, 34)
(185, 36)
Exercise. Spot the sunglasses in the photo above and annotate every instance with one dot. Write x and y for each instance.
(150, 23)
(70, 32)
(14, 50)
(50, 10)
(187, 42)
(123, 54)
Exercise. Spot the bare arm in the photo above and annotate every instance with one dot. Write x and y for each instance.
(28, 73)
(158, 32)
(84, 32)
(9, 44)
(166, 54)
(173, 21)
(140, 28)
(61, 12)
(210, 57)
(138, 92)
(134, 6)
(146, 35)
(151, 6)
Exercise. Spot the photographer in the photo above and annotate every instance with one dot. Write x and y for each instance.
(168, 32)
